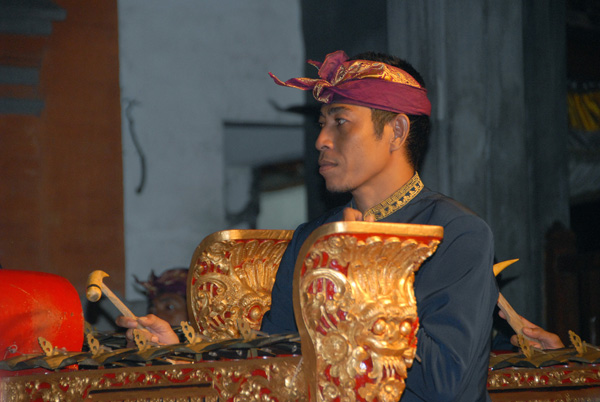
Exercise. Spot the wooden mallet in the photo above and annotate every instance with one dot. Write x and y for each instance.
(512, 317)
(96, 287)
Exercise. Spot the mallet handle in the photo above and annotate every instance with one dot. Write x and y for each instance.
(512, 317)
(117, 302)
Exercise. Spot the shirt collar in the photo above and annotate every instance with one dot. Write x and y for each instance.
(397, 200)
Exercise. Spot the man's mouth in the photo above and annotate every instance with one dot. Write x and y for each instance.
(324, 166)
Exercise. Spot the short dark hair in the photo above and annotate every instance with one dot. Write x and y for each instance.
(420, 125)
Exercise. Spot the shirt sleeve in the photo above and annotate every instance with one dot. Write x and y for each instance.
(280, 318)
(456, 293)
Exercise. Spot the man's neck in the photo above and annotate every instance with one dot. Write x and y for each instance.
(365, 199)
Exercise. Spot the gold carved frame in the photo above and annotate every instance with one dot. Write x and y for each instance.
(230, 280)
(355, 307)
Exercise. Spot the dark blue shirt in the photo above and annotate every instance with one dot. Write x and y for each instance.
(456, 293)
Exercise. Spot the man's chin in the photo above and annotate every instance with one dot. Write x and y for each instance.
(337, 189)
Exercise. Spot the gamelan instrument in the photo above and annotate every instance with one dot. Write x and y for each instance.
(342, 352)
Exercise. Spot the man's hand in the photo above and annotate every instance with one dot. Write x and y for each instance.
(545, 339)
(160, 331)
(351, 214)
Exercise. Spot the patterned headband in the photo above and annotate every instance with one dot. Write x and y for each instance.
(364, 83)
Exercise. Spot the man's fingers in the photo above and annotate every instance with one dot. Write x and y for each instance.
(158, 330)
(351, 214)
(126, 322)
(548, 340)
(146, 321)
(514, 340)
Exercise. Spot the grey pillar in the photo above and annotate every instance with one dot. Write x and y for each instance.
(496, 74)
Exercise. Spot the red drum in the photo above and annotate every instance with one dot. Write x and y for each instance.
(38, 304)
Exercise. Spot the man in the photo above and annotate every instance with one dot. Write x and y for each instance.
(374, 128)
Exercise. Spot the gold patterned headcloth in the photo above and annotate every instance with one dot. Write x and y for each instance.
(366, 83)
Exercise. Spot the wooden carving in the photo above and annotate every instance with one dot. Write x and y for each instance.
(358, 323)
(231, 276)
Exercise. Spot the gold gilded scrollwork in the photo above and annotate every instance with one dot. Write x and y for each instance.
(231, 277)
(515, 378)
(247, 380)
(577, 343)
(355, 291)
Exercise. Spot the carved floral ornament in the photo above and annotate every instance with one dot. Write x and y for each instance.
(516, 378)
(232, 274)
(356, 295)
(253, 380)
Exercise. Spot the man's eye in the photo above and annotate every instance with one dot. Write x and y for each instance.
(339, 122)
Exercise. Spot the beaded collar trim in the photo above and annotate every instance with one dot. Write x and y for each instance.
(397, 200)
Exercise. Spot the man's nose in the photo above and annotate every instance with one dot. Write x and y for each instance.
(323, 140)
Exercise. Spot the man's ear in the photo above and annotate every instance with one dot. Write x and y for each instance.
(401, 128)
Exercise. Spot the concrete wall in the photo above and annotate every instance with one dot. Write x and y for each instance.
(187, 67)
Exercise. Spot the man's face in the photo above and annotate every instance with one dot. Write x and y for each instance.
(352, 158)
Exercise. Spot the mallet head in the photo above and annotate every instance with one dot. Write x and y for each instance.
(94, 285)
(499, 267)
